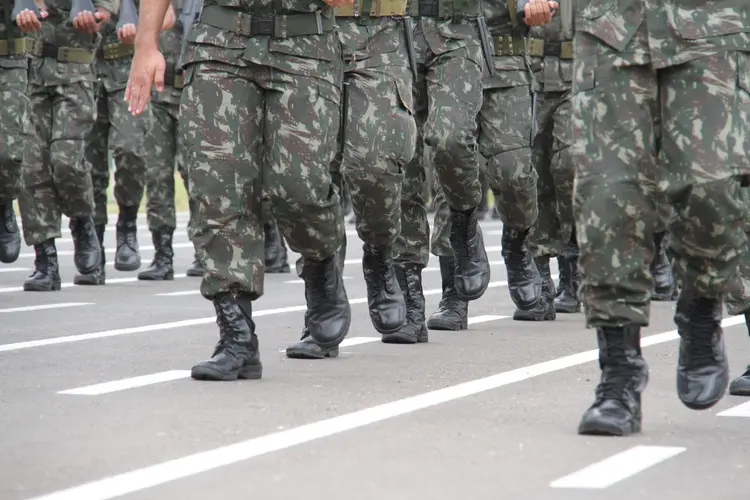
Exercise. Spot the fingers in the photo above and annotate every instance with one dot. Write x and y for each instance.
(85, 22)
(538, 12)
(126, 34)
(28, 22)
(159, 78)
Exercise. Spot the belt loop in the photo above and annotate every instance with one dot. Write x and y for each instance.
(284, 26)
(319, 21)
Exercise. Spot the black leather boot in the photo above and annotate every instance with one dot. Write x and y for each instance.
(87, 254)
(452, 313)
(524, 280)
(236, 354)
(414, 330)
(472, 274)
(384, 296)
(307, 348)
(276, 256)
(544, 310)
(702, 367)
(10, 236)
(570, 280)
(329, 314)
(161, 268)
(46, 275)
(741, 385)
(99, 276)
(661, 270)
(127, 256)
(617, 408)
(196, 269)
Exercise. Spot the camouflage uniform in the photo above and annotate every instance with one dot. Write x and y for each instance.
(163, 154)
(379, 136)
(14, 79)
(649, 97)
(259, 113)
(57, 180)
(122, 133)
(552, 235)
(448, 97)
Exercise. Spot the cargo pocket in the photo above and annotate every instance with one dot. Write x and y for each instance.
(742, 113)
(584, 74)
(727, 18)
(408, 126)
(595, 9)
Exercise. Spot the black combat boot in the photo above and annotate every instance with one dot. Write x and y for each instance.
(472, 274)
(414, 330)
(741, 385)
(98, 277)
(307, 348)
(196, 269)
(276, 257)
(10, 236)
(236, 354)
(661, 270)
(329, 314)
(384, 296)
(544, 310)
(570, 280)
(46, 275)
(87, 253)
(161, 268)
(702, 367)
(617, 408)
(452, 313)
(524, 280)
(127, 256)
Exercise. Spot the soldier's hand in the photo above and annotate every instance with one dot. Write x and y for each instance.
(539, 12)
(339, 3)
(91, 22)
(147, 71)
(127, 33)
(28, 22)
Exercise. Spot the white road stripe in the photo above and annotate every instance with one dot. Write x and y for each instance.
(110, 281)
(13, 269)
(485, 319)
(128, 383)
(177, 324)
(172, 470)
(742, 410)
(617, 467)
(42, 307)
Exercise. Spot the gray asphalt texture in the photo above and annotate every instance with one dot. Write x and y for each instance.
(379, 422)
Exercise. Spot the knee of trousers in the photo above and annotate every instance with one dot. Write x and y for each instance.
(737, 298)
(451, 138)
(512, 170)
(67, 160)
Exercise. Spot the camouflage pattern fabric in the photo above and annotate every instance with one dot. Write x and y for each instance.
(379, 130)
(56, 178)
(162, 143)
(737, 299)
(447, 99)
(623, 168)
(259, 119)
(14, 78)
(118, 130)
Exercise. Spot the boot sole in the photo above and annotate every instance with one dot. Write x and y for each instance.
(662, 297)
(247, 373)
(306, 354)
(195, 274)
(146, 277)
(403, 338)
(28, 287)
(125, 267)
(277, 270)
(88, 281)
(567, 310)
(739, 391)
(608, 430)
(447, 326)
(530, 316)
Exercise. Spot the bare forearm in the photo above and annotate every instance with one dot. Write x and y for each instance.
(150, 20)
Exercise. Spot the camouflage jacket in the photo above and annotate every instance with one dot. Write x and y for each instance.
(170, 44)
(510, 70)
(666, 32)
(113, 73)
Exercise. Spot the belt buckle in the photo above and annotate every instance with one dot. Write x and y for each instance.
(263, 26)
(552, 49)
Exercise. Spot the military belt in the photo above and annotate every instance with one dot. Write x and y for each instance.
(534, 47)
(378, 8)
(76, 55)
(20, 47)
(277, 26)
(444, 9)
(113, 51)
(174, 78)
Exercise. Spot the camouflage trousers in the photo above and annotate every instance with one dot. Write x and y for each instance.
(116, 129)
(261, 149)
(163, 153)
(379, 131)
(56, 177)
(619, 180)
(737, 299)
(14, 80)
(551, 155)
(447, 100)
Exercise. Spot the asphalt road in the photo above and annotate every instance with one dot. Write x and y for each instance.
(96, 402)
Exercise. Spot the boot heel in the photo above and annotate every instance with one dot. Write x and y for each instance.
(252, 372)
